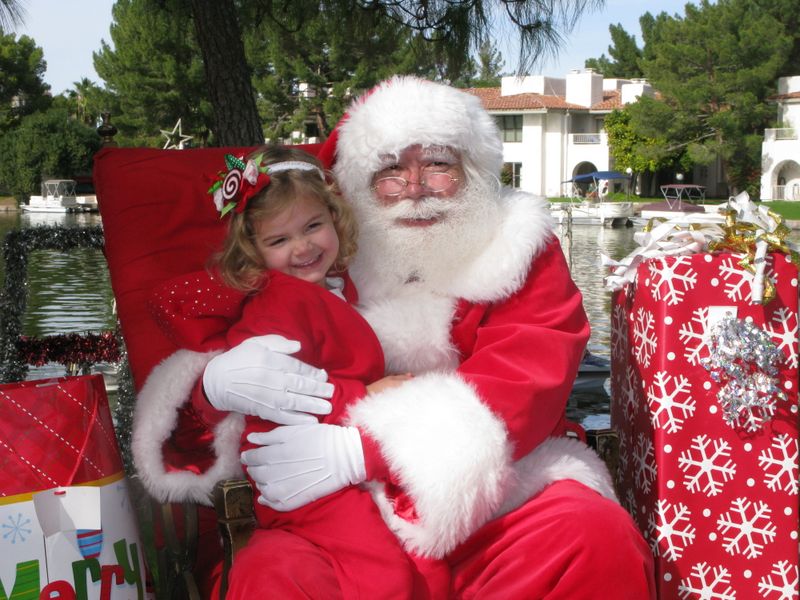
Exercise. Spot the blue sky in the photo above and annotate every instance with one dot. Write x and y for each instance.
(69, 31)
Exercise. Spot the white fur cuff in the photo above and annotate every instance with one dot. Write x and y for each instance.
(168, 387)
(553, 460)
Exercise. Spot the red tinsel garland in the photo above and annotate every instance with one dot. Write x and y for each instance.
(69, 348)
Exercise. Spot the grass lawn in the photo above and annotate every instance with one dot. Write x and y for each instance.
(786, 208)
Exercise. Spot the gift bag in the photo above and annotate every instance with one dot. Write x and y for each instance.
(67, 527)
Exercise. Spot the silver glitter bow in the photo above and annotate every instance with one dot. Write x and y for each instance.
(745, 361)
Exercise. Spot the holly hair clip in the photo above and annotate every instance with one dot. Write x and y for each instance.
(232, 189)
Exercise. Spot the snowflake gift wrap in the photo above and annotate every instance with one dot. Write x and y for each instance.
(714, 491)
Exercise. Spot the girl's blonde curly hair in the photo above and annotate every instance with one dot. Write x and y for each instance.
(239, 262)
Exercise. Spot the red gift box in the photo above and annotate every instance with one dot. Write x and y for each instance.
(68, 527)
(716, 498)
(55, 432)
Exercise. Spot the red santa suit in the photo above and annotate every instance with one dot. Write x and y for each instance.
(473, 475)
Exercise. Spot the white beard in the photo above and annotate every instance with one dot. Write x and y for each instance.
(391, 255)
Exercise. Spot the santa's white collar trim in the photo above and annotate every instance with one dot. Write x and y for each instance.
(525, 227)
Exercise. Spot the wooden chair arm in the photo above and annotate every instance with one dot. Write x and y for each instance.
(233, 501)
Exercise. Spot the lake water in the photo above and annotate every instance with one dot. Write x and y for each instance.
(71, 292)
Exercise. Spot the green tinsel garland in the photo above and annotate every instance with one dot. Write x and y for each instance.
(14, 353)
(17, 247)
(123, 411)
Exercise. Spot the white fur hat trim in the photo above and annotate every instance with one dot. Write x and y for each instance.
(404, 111)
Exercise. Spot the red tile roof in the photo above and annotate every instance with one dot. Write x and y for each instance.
(492, 100)
(789, 96)
(611, 100)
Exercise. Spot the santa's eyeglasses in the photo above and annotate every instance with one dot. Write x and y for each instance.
(430, 182)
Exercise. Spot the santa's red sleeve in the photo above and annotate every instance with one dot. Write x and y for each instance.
(527, 350)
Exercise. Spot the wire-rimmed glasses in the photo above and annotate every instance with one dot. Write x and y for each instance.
(430, 182)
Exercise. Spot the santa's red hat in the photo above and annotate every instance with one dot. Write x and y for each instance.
(403, 111)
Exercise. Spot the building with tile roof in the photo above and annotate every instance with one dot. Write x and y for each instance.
(553, 127)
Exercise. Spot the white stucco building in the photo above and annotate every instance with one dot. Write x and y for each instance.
(553, 128)
(780, 151)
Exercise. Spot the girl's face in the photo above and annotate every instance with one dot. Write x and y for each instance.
(299, 241)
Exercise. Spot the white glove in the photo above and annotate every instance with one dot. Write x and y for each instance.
(259, 378)
(298, 464)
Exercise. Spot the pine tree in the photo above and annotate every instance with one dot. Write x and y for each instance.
(11, 14)
(624, 56)
(309, 65)
(451, 27)
(490, 65)
(788, 13)
(22, 87)
(154, 74)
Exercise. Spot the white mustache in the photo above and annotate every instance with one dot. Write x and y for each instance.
(424, 208)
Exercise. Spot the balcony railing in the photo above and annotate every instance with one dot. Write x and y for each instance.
(587, 138)
(783, 133)
(786, 192)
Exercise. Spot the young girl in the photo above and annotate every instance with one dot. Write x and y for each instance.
(289, 240)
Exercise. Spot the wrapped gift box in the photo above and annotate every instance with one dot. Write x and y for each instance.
(67, 528)
(714, 491)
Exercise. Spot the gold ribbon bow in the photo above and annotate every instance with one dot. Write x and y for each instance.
(754, 240)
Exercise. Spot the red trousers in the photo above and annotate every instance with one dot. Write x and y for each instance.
(568, 542)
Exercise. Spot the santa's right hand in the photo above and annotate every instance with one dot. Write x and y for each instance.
(260, 378)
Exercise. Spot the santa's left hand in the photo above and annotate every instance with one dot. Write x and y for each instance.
(297, 464)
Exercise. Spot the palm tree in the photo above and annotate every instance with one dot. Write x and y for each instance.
(11, 14)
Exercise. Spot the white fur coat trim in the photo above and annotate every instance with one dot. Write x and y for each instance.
(451, 455)
(553, 460)
(500, 270)
(167, 388)
(414, 340)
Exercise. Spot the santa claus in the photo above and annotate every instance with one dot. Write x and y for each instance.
(466, 287)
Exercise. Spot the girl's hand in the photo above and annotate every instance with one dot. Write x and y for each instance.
(388, 382)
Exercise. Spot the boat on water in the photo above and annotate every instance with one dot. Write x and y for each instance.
(588, 402)
(59, 196)
(590, 204)
(612, 214)
(593, 373)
